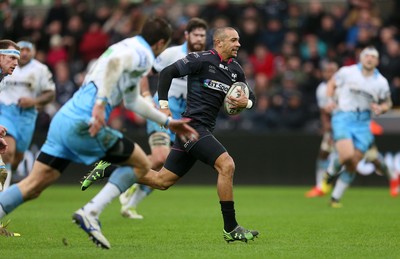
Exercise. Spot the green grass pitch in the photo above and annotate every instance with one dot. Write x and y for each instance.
(185, 222)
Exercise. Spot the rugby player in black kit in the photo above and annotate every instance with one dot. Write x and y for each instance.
(210, 75)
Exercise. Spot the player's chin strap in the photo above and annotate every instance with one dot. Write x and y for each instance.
(10, 52)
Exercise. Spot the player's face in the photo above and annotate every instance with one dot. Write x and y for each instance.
(369, 62)
(230, 44)
(8, 63)
(26, 56)
(196, 40)
(161, 45)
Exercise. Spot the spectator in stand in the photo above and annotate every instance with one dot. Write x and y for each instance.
(365, 22)
(312, 49)
(250, 33)
(57, 12)
(263, 61)
(65, 87)
(312, 22)
(57, 52)
(275, 9)
(94, 42)
(72, 37)
(295, 20)
(273, 35)
(329, 33)
(294, 116)
(218, 8)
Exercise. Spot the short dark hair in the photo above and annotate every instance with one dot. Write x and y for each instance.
(196, 23)
(5, 44)
(155, 29)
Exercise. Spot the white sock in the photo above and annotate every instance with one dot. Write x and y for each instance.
(137, 197)
(9, 176)
(2, 213)
(319, 176)
(340, 188)
(102, 199)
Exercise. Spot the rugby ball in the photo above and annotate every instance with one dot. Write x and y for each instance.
(234, 91)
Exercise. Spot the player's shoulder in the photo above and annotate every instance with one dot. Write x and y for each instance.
(175, 49)
(36, 64)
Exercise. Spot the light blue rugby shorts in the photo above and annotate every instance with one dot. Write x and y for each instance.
(354, 126)
(20, 124)
(70, 139)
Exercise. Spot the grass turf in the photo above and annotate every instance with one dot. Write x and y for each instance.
(185, 222)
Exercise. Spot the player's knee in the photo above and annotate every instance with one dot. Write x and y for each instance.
(225, 165)
(158, 161)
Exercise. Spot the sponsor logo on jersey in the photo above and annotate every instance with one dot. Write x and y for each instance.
(215, 85)
(195, 54)
(223, 67)
(17, 83)
(234, 76)
(185, 60)
(142, 58)
(211, 69)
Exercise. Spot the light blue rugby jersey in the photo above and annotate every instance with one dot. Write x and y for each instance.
(136, 58)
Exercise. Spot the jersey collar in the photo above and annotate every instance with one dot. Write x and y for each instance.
(185, 48)
(376, 71)
(144, 43)
(213, 51)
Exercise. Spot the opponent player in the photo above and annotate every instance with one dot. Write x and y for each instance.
(360, 90)
(160, 139)
(210, 75)
(327, 146)
(78, 133)
(31, 86)
(9, 56)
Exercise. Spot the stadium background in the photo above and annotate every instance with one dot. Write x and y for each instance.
(277, 142)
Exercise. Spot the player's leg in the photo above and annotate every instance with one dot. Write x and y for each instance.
(210, 151)
(8, 157)
(326, 148)
(373, 156)
(159, 142)
(42, 176)
(134, 164)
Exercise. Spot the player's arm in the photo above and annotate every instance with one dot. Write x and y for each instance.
(46, 88)
(41, 100)
(164, 84)
(111, 67)
(252, 98)
(383, 106)
(145, 89)
(330, 93)
(325, 120)
(136, 103)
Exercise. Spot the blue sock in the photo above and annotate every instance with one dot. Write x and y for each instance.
(347, 177)
(123, 177)
(11, 198)
(146, 189)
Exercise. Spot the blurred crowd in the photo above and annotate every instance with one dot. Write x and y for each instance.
(284, 43)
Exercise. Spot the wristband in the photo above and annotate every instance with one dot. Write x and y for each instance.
(167, 121)
(101, 100)
(148, 99)
(249, 104)
(163, 104)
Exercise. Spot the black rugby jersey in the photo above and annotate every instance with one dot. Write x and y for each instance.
(209, 79)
